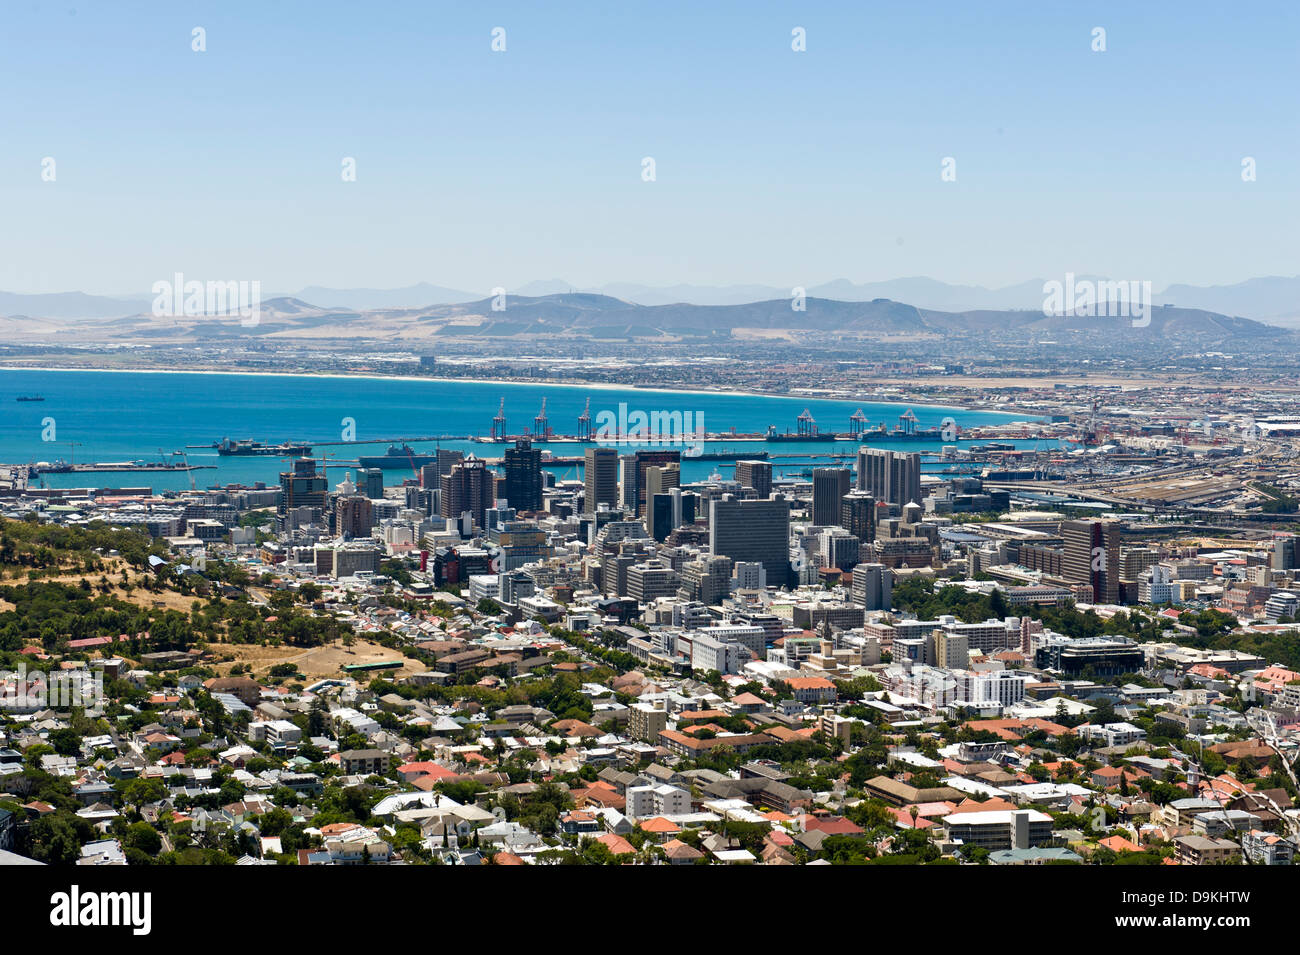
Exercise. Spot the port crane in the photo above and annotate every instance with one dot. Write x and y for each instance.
(185, 458)
(806, 424)
(540, 427)
(857, 423)
(584, 422)
(499, 422)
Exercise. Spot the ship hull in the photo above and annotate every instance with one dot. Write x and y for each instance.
(394, 462)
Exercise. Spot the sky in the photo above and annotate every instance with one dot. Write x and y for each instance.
(478, 168)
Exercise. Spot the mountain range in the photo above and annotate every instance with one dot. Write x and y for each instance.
(581, 316)
(1273, 300)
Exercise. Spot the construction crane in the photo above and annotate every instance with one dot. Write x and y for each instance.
(323, 461)
(584, 422)
(325, 468)
(499, 422)
(540, 427)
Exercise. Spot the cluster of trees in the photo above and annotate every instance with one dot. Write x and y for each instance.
(29, 544)
(927, 600)
(618, 659)
(46, 613)
(540, 811)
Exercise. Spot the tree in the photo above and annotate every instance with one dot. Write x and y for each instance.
(144, 837)
(998, 604)
(57, 838)
(66, 742)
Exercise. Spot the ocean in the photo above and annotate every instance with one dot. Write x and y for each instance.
(92, 416)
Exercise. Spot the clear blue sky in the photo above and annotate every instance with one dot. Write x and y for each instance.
(477, 169)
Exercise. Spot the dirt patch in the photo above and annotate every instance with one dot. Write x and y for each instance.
(315, 663)
(114, 566)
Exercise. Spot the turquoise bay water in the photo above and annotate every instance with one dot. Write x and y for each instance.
(117, 416)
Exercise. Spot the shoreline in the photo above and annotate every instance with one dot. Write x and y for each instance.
(601, 386)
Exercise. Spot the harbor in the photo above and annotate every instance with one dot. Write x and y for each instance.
(400, 425)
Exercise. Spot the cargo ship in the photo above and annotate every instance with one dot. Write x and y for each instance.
(247, 447)
(397, 457)
(31, 397)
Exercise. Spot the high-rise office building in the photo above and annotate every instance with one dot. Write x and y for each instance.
(706, 579)
(446, 460)
(1285, 552)
(660, 479)
(600, 477)
(1135, 560)
(858, 515)
(370, 483)
(873, 587)
(302, 487)
(830, 485)
(837, 548)
(523, 484)
(634, 475)
(951, 650)
(753, 531)
(469, 488)
(1092, 556)
(354, 516)
(756, 475)
(890, 476)
(670, 511)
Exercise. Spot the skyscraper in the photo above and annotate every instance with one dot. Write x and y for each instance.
(858, 515)
(641, 461)
(670, 511)
(951, 650)
(1092, 556)
(354, 516)
(890, 476)
(830, 485)
(446, 460)
(370, 483)
(753, 531)
(873, 586)
(523, 464)
(302, 487)
(660, 479)
(1284, 552)
(469, 488)
(600, 475)
(756, 475)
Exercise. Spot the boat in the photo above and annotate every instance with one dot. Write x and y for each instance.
(797, 436)
(726, 455)
(246, 447)
(31, 397)
(397, 457)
